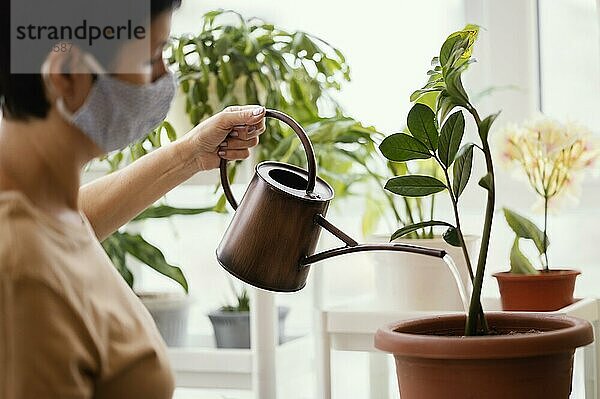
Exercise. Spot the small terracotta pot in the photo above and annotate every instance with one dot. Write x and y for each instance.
(544, 292)
(530, 357)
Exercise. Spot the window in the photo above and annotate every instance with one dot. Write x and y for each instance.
(570, 60)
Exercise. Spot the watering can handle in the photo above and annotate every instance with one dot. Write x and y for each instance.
(310, 156)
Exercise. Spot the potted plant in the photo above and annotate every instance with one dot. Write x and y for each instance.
(553, 157)
(231, 323)
(237, 60)
(495, 355)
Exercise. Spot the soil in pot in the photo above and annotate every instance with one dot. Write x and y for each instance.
(232, 329)
(530, 357)
(544, 292)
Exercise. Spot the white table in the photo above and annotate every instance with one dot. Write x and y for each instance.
(352, 326)
(204, 366)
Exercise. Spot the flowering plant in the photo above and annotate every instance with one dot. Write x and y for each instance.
(553, 157)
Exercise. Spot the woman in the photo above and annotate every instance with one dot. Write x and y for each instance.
(69, 325)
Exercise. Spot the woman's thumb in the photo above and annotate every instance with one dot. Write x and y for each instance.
(243, 115)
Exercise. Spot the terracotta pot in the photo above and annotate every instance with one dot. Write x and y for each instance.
(542, 292)
(434, 360)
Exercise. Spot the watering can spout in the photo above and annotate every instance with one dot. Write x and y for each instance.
(352, 246)
(436, 253)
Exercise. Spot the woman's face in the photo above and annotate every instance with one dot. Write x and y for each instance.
(74, 88)
(134, 55)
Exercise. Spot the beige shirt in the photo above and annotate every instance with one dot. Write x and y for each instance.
(70, 327)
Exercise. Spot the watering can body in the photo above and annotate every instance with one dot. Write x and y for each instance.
(271, 239)
(273, 228)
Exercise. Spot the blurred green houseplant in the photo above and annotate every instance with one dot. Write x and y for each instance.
(234, 60)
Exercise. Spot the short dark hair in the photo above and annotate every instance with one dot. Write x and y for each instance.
(22, 96)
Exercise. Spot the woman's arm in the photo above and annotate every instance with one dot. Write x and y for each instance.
(115, 199)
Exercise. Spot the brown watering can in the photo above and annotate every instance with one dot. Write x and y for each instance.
(271, 240)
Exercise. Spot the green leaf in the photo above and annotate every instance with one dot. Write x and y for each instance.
(519, 264)
(451, 236)
(449, 46)
(524, 228)
(417, 226)
(459, 45)
(116, 253)
(462, 169)
(220, 206)
(414, 185)
(445, 104)
(486, 124)
(486, 182)
(455, 88)
(153, 257)
(421, 123)
(429, 98)
(165, 211)
(401, 147)
(171, 134)
(451, 136)
(417, 94)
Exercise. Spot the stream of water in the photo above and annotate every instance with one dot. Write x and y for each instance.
(465, 292)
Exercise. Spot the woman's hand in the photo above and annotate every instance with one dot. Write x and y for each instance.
(229, 134)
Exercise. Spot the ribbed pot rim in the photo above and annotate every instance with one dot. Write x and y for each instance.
(559, 334)
(554, 274)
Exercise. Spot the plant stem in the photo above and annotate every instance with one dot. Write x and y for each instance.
(475, 309)
(454, 202)
(431, 212)
(546, 265)
(463, 244)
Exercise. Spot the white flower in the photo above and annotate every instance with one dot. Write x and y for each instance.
(553, 156)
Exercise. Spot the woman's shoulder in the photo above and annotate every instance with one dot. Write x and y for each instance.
(27, 243)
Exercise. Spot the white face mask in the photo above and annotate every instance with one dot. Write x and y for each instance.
(118, 113)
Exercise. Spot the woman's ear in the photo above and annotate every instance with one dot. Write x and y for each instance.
(67, 77)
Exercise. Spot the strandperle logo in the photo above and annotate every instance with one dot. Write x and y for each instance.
(107, 30)
(85, 31)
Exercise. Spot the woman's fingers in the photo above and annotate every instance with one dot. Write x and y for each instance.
(238, 144)
(247, 132)
(233, 155)
(233, 117)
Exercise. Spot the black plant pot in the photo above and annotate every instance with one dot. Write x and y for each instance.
(232, 329)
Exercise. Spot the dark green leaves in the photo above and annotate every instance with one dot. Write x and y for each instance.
(451, 236)
(451, 136)
(462, 169)
(486, 124)
(151, 256)
(401, 147)
(414, 185)
(519, 263)
(421, 123)
(417, 226)
(165, 211)
(524, 228)
(486, 182)
(112, 247)
(459, 45)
